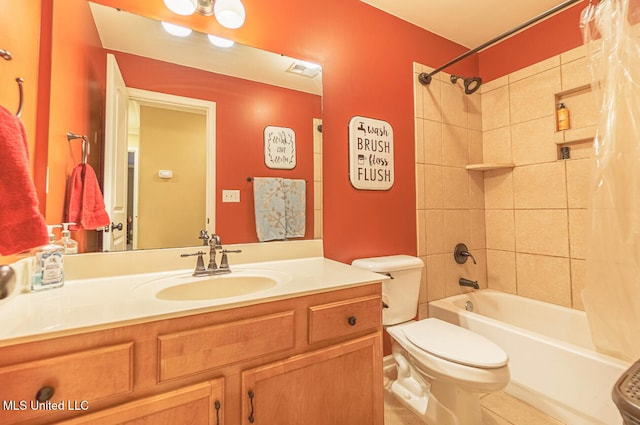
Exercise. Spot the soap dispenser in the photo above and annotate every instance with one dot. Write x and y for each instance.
(47, 269)
(70, 245)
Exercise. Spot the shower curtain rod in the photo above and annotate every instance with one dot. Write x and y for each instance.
(425, 78)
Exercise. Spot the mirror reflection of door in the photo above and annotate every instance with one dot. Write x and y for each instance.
(169, 170)
(169, 176)
(115, 157)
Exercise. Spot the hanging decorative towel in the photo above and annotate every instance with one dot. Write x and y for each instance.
(268, 200)
(295, 200)
(85, 204)
(22, 227)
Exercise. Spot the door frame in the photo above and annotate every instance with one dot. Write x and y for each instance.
(198, 106)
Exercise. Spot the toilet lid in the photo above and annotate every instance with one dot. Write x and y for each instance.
(455, 343)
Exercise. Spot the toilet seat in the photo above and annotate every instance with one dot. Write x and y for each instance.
(455, 344)
(446, 366)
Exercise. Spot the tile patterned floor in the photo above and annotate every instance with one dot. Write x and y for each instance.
(497, 409)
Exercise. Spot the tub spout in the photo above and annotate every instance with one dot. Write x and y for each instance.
(470, 283)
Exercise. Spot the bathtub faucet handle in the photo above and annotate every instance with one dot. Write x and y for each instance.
(461, 253)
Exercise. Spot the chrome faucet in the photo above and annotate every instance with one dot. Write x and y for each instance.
(7, 281)
(212, 268)
(214, 243)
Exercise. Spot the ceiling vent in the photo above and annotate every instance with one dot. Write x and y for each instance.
(306, 69)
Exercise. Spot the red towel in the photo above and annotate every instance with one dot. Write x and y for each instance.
(22, 227)
(85, 204)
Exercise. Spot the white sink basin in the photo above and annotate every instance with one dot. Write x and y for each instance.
(212, 287)
(185, 287)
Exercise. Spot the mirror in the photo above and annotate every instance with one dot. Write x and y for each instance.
(250, 89)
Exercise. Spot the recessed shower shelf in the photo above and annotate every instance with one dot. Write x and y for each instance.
(490, 166)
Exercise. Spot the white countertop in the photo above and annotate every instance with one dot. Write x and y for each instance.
(98, 303)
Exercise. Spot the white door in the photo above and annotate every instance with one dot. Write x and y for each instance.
(115, 162)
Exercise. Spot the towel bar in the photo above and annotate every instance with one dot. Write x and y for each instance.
(250, 179)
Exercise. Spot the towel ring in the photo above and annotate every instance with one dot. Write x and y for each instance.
(6, 55)
(85, 144)
(21, 91)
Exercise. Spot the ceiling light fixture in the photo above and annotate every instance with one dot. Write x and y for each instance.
(176, 30)
(229, 13)
(181, 7)
(224, 43)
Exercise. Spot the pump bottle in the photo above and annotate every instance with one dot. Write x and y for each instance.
(70, 245)
(47, 267)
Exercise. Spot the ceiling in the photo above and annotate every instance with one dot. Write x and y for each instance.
(466, 22)
(125, 32)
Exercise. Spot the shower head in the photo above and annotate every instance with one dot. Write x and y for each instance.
(470, 84)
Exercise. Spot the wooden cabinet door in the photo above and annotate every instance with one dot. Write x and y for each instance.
(200, 404)
(340, 384)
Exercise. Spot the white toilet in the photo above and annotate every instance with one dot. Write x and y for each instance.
(441, 368)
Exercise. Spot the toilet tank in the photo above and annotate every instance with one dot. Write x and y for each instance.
(402, 292)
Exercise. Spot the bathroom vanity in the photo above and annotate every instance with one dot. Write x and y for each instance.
(311, 355)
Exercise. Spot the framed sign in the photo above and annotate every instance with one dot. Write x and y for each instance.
(370, 154)
(279, 147)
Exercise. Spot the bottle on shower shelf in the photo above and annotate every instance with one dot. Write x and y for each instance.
(562, 115)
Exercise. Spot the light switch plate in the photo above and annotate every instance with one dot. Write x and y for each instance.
(230, 196)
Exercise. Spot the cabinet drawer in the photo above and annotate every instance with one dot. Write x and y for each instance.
(200, 404)
(188, 352)
(344, 318)
(76, 379)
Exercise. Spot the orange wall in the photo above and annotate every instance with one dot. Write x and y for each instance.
(548, 38)
(367, 59)
(24, 47)
(243, 110)
(78, 67)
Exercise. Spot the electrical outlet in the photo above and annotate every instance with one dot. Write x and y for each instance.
(230, 196)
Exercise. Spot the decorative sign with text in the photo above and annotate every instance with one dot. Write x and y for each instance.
(279, 147)
(370, 154)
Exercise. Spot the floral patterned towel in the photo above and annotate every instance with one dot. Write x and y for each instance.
(279, 208)
(294, 207)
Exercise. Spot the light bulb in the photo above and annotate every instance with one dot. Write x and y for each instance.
(181, 7)
(176, 30)
(220, 42)
(229, 13)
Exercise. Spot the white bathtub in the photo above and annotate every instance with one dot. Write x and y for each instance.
(554, 366)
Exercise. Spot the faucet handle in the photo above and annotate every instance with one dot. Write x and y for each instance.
(461, 253)
(199, 262)
(224, 262)
(204, 236)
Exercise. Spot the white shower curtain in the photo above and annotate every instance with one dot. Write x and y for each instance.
(612, 293)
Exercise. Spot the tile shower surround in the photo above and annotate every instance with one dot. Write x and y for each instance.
(525, 226)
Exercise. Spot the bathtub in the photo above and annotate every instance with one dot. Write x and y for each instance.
(554, 366)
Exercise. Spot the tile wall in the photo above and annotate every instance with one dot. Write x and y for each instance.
(525, 225)
(450, 199)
